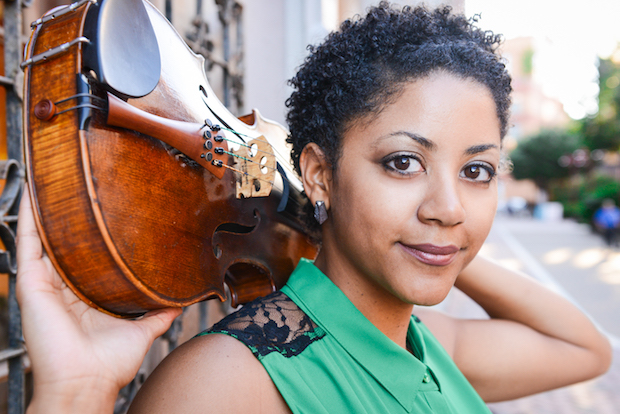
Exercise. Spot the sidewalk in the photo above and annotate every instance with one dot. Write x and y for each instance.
(571, 260)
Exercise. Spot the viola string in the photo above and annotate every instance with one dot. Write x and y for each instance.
(82, 95)
(273, 184)
(245, 145)
(287, 167)
(83, 105)
(249, 160)
(248, 146)
(246, 174)
(226, 127)
(290, 199)
(78, 107)
(242, 157)
(258, 150)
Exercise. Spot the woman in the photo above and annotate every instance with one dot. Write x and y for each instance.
(396, 123)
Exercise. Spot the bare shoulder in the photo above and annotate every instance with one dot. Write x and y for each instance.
(213, 373)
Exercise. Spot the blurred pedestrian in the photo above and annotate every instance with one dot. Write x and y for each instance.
(607, 220)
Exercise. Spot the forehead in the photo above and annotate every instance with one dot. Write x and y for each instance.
(441, 107)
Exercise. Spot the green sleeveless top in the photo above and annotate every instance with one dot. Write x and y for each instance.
(324, 356)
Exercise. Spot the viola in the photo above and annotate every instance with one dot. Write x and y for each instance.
(148, 192)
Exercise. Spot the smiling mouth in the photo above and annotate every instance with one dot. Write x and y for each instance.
(432, 255)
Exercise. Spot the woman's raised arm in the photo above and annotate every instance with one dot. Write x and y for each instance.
(536, 340)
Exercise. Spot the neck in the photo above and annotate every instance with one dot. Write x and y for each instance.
(385, 311)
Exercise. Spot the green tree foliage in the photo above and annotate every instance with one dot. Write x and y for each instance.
(583, 194)
(527, 62)
(602, 131)
(536, 158)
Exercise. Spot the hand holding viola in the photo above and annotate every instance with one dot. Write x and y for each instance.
(81, 357)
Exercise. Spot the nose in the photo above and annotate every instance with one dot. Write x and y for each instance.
(442, 204)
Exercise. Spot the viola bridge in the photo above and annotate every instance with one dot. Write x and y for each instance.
(256, 166)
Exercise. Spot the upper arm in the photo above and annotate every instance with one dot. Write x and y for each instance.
(441, 325)
(505, 360)
(212, 373)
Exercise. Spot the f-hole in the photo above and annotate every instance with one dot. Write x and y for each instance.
(234, 228)
(237, 228)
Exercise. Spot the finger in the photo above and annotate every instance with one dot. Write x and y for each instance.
(35, 271)
(29, 245)
(156, 323)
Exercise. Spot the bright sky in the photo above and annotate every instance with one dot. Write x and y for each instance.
(569, 36)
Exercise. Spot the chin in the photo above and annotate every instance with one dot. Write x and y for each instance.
(428, 304)
(429, 296)
(425, 300)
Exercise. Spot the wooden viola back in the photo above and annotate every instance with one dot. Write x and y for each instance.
(130, 223)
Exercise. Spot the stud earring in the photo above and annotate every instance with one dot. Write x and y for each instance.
(320, 212)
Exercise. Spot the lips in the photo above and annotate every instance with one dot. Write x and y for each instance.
(431, 254)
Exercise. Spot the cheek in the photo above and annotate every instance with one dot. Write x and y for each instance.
(363, 218)
(355, 212)
(374, 207)
(481, 208)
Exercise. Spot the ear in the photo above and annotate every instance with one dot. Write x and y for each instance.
(316, 174)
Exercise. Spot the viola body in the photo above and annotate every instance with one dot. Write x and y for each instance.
(130, 222)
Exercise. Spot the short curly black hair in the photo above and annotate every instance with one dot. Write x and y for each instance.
(362, 67)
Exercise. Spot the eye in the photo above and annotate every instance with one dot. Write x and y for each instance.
(482, 173)
(403, 164)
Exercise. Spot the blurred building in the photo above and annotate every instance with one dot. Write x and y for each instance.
(531, 110)
(277, 33)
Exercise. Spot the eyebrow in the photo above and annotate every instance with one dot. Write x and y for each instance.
(430, 145)
(477, 149)
(425, 142)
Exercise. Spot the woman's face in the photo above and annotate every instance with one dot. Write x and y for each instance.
(415, 191)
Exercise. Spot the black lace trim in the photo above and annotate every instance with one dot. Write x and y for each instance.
(273, 323)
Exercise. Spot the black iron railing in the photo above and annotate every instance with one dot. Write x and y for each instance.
(11, 82)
